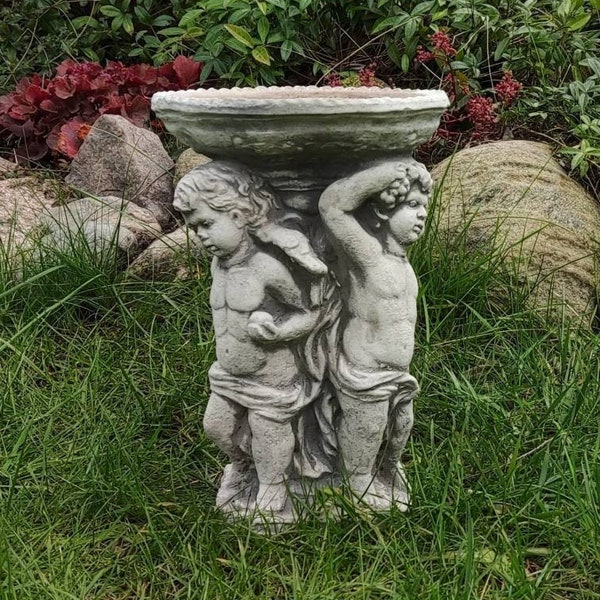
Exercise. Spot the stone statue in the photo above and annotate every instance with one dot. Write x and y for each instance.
(313, 297)
(372, 217)
(312, 372)
(265, 300)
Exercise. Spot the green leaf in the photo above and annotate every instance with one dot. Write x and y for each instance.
(117, 22)
(579, 22)
(128, 24)
(240, 34)
(261, 55)
(206, 71)
(286, 50)
(304, 4)
(394, 54)
(595, 4)
(110, 11)
(502, 46)
(236, 45)
(263, 7)
(239, 15)
(172, 31)
(279, 3)
(190, 17)
(410, 30)
(390, 23)
(438, 16)
(263, 29)
(422, 8)
(91, 55)
(276, 38)
(162, 21)
(194, 32)
(298, 49)
(81, 22)
(405, 63)
(564, 8)
(142, 14)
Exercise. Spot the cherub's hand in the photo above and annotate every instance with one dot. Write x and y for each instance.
(388, 181)
(389, 197)
(262, 328)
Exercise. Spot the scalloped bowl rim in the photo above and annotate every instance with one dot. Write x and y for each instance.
(299, 100)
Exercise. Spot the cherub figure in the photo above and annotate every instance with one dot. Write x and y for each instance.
(259, 310)
(371, 217)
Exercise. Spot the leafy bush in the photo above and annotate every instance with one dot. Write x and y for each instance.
(55, 114)
(43, 33)
(551, 46)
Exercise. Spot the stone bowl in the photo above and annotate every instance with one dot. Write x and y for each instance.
(302, 138)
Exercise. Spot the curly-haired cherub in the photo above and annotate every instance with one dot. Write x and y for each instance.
(259, 309)
(372, 217)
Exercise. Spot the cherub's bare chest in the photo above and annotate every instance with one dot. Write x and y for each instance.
(393, 278)
(237, 288)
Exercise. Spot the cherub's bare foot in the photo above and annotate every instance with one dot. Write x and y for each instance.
(234, 490)
(366, 490)
(395, 486)
(271, 498)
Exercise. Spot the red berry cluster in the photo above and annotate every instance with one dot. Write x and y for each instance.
(441, 41)
(333, 80)
(443, 50)
(366, 76)
(481, 113)
(508, 88)
(424, 56)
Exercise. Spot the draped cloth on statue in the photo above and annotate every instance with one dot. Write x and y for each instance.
(278, 404)
(379, 385)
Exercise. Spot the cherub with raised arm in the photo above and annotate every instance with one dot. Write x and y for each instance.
(371, 218)
(259, 310)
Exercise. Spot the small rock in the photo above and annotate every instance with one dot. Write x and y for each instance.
(119, 159)
(515, 194)
(187, 161)
(104, 223)
(23, 202)
(173, 256)
(7, 168)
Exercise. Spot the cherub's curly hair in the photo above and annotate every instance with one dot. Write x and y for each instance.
(414, 173)
(227, 186)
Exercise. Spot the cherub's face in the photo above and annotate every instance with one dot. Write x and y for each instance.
(221, 233)
(407, 222)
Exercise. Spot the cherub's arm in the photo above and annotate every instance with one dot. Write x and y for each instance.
(298, 322)
(343, 197)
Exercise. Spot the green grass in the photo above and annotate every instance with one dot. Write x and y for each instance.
(107, 482)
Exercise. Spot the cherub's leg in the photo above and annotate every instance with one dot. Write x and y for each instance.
(272, 449)
(360, 435)
(222, 423)
(391, 471)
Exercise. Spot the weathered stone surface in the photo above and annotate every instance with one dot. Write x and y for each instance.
(313, 352)
(23, 201)
(8, 168)
(187, 161)
(105, 223)
(120, 159)
(173, 256)
(516, 194)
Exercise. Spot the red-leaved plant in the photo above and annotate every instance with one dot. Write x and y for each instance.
(471, 117)
(53, 115)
